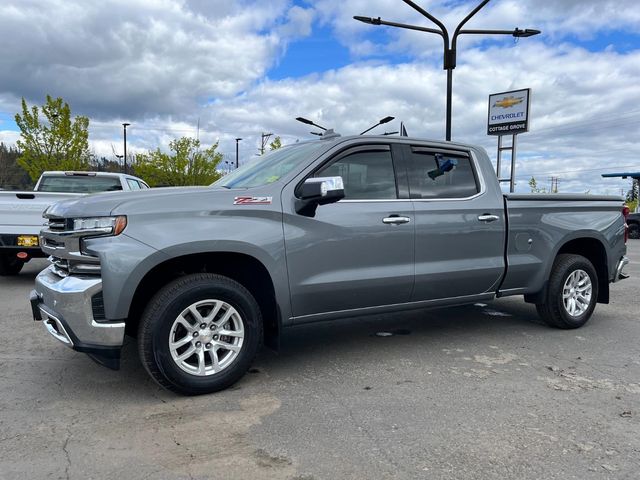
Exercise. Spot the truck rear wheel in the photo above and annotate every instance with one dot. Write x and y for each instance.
(10, 265)
(199, 334)
(572, 292)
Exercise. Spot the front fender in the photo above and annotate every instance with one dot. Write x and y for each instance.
(124, 263)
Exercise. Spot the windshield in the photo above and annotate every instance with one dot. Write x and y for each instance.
(79, 184)
(271, 167)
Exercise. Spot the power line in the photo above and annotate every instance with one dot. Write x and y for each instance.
(618, 167)
(602, 119)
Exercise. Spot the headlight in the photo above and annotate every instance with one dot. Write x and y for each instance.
(100, 225)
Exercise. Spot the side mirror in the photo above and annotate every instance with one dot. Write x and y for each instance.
(319, 191)
(323, 189)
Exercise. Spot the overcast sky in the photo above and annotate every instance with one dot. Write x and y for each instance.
(241, 68)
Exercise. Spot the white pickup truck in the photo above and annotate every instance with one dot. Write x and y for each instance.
(21, 212)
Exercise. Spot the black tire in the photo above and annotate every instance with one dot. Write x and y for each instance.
(553, 310)
(634, 230)
(155, 330)
(10, 265)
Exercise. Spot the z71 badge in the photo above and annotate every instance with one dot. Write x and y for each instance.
(252, 200)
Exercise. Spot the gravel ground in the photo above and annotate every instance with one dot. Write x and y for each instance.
(477, 392)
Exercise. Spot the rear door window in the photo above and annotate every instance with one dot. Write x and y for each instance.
(434, 175)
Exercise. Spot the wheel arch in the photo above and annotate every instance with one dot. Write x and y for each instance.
(243, 268)
(594, 251)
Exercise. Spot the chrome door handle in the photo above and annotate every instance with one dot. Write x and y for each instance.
(395, 220)
(488, 218)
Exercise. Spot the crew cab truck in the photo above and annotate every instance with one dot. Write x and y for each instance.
(21, 212)
(338, 227)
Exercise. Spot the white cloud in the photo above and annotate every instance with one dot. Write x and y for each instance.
(583, 113)
(557, 20)
(139, 58)
(9, 137)
(161, 65)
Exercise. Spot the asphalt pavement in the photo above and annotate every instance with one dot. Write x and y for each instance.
(477, 392)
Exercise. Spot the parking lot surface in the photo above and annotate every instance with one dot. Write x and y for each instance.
(476, 392)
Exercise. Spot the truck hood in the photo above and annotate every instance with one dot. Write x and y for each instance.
(140, 201)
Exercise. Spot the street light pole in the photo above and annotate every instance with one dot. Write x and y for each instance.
(125, 125)
(306, 121)
(264, 138)
(237, 151)
(450, 46)
(381, 122)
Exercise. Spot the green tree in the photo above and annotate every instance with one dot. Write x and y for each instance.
(12, 176)
(103, 164)
(631, 199)
(185, 165)
(276, 144)
(533, 185)
(57, 144)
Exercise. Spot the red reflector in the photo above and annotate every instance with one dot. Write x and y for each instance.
(22, 255)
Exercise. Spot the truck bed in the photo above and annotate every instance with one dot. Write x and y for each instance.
(540, 225)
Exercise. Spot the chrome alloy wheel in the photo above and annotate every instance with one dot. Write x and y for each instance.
(206, 337)
(576, 293)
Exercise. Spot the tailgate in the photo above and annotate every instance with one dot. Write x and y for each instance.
(21, 212)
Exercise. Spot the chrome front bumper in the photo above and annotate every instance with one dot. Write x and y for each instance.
(64, 304)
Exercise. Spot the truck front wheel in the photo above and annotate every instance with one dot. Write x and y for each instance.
(200, 334)
(572, 292)
(10, 265)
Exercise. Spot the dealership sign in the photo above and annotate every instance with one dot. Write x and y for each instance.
(509, 112)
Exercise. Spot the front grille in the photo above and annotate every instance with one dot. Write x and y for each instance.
(57, 224)
(65, 249)
(52, 243)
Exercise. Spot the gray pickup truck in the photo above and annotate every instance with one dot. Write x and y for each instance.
(337, 227)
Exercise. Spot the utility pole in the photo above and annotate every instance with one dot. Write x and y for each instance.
(264, 138)
(125, 125)
(554, 184)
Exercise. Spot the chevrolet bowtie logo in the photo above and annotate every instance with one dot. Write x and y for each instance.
(507, 102)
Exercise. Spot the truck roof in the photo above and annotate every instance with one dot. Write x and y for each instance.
(87, 174)
(336, 139)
